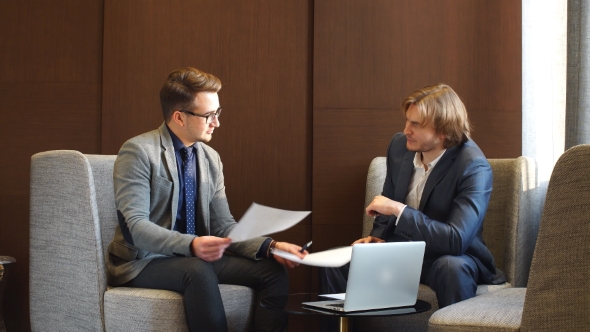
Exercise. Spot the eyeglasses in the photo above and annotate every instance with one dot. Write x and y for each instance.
(209, 116)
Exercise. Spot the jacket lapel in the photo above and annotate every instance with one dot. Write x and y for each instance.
(204, 186)
(170, 160)
(438, 172)
(404, 176)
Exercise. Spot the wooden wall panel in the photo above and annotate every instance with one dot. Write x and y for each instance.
(369, 55)
(50, 86)
(60, 89)
(261, 51)
(345, 142)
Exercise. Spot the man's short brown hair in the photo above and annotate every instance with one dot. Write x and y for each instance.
(440, 105)
(181, 88)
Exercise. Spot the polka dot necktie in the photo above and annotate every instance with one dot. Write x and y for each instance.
(189, 188)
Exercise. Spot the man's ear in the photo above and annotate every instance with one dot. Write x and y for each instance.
(177, 119)
(443, 139)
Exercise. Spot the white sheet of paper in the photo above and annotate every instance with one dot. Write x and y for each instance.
(262, 220)
(329, 258)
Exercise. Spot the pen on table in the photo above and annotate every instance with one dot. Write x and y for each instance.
(305, 246)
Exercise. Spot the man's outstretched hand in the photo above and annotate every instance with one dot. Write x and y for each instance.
(290, 248)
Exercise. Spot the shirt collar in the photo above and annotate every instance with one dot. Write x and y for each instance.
(176, 142)
(418, 160)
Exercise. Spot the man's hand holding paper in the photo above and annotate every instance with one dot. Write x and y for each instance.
(260, 220)
(329, 258)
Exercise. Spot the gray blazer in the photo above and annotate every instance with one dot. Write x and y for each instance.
(146, 193)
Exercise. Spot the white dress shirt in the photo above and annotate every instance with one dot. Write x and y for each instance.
(419, 178)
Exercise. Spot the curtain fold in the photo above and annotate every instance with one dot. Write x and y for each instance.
(544, 73)
(577, 126)
(544, 76)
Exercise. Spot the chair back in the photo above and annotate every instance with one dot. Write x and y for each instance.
(71, 201)
(510, 225)
(102, 173)
(375, 180)
(558, 292)
(512, 220)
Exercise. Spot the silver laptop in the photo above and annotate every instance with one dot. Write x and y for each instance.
(381, 275)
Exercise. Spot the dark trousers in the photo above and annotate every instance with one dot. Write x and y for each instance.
(452, 278)
(198, 281)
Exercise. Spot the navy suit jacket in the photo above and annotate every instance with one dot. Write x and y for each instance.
(452, 208)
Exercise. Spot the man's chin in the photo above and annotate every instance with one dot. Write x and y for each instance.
(205, 138)
(411, 149)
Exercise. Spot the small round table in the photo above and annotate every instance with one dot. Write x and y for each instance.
(292, 304)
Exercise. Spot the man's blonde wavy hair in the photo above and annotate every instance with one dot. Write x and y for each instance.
(440, 105)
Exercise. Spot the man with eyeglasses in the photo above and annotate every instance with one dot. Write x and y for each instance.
(174, 216)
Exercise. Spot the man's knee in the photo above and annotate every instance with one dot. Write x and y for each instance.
(276, 273)
(198, 270)
(453, 278)
(454, 267)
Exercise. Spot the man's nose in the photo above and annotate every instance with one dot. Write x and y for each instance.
(215, 121)
(407, 130)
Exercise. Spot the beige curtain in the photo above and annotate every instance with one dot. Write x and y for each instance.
(544, 54)
(555, 81)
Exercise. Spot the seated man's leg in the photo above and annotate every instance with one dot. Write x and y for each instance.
(333, 279)
(196, 280)
(266, 277)
(453, 279)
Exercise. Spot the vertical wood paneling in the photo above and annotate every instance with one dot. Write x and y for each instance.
(261, 51)
(369, 55)
(50, 81)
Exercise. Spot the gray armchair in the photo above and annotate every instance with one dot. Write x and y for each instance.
(510, 230)
(72, 221)
(557, 297)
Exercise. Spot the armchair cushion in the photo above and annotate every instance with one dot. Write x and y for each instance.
(502, 312)
(163, 310)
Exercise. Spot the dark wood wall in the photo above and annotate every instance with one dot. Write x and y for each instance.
(50, 98)
(310, 94)
(369, 55)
